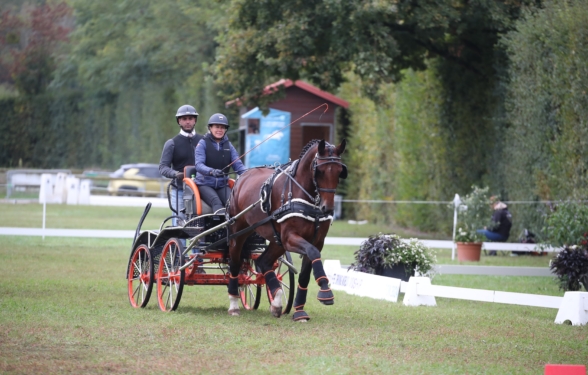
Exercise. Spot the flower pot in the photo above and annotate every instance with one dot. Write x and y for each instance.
(397, 271)
(469, 251)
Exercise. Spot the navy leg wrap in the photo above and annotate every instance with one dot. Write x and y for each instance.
(300, 299)
(325, 295)
(304, 277)
(299, 302)
(234, 286)
(272, 282)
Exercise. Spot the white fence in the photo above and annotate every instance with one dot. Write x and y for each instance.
(20, 179)
(440, 244)
(63, 188)
(573, 306)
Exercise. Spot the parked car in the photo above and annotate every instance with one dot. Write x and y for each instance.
(137, 179)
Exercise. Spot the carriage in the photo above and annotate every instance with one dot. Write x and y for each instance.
(271, 213)
(196, 253)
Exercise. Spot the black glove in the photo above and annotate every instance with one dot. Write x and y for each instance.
(217, 173)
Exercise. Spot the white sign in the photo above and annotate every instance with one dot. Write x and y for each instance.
(362, 284)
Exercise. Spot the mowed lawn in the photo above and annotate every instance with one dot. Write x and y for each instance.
(64, 309)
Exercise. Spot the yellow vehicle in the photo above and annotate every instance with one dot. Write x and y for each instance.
(137, 179)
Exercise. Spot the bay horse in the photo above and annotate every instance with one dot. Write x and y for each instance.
(295, 209)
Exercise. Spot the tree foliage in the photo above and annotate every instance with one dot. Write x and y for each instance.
(547, 107)
(126, 43)
(113, 94)
(320, 40)
(29, 44)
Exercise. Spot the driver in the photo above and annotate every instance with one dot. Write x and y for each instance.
(213, 155)
(177, 153)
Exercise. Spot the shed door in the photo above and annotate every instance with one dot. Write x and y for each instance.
(310, 132)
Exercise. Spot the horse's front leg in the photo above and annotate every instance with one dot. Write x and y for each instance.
(299, 245)
(303, 279)
(266, 265)
(235, 263)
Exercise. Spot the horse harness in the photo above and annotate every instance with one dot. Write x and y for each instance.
(296, 207)
(292, 207)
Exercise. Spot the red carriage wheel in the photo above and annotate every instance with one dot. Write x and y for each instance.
(170, 279)
(286, 278)
(140, 276)
(249, 290)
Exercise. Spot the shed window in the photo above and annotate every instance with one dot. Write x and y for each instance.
(253, 126)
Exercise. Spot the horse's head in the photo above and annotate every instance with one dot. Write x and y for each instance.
(327, 168)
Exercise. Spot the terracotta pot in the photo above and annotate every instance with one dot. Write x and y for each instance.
(469, 251)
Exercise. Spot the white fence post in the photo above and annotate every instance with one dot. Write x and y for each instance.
(59, 190)
(456, 203)
(46, 187)
(574, 308)
(84, 192)
(412, 296)
(72, 188)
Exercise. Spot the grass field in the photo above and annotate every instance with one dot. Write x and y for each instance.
(64, 309)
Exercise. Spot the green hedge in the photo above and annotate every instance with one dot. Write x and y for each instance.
(547, 143)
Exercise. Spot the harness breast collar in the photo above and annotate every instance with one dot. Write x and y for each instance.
(296, 207)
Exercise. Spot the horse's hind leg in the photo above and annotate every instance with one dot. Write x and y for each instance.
(235, 262)
(300, 300)
(266, 265)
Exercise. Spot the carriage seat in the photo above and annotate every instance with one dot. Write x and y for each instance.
(192, 202)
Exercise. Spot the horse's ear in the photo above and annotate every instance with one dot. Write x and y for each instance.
(341, 147)
(321, 147)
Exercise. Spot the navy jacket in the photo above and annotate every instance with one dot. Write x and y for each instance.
(202, 167)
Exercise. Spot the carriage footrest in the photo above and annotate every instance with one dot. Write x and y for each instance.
(190, 232)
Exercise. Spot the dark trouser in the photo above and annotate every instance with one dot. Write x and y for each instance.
(215, 198)
(492, 236)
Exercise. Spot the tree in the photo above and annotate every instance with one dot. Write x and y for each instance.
(547, 107)
(29, 44)
(320, 40)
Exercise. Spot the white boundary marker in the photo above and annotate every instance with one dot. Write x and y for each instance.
(573, 308)
(360, 283)
(419, 291)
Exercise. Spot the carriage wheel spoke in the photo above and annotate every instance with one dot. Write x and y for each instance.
(170, 280)
(140, 282)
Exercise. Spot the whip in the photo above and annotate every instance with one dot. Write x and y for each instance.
(279, 130)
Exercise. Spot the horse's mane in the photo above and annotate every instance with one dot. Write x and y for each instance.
(308, 146)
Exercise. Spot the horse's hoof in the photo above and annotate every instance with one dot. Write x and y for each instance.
(234, 312)
(326, 297)
(276, 305)
(300, 316)
(276, 311)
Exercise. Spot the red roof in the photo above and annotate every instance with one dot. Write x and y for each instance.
(304, 86)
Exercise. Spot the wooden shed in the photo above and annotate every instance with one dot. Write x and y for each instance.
(300, 98)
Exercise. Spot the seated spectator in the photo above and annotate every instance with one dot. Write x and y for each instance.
(502, 222)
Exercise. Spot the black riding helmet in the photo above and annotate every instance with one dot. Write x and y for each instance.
(220, 119)
(186, 110)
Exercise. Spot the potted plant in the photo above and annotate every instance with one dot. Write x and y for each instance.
(566, 228)
(570, 266)
(389, 255)
(475, 212)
